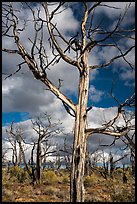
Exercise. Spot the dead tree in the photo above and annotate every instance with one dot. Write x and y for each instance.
(15, 139)
(87, 163)
(125, 179)
(67, 151)
(4, 155)
(111, 164)
(32, 165)
(45, 129)
(57, 162)
(17, 135)
(90, 37)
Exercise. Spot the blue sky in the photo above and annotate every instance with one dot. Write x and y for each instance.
(102, 81)
(7, 118)
(24, 97)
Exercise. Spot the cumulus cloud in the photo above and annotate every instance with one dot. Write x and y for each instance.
(25, 94)
(114, 13)
(128, 75)
(96, 117)
(94, 94)
(21, 92)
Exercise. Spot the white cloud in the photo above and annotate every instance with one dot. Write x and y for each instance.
(66, 21)
(96, 117)
(113, 13)
(120, 66)
(104, 56)
(22, 93)
(95, 95)
(128, 75)
(10, 84)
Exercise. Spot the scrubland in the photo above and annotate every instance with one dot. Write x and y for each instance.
(55, 186)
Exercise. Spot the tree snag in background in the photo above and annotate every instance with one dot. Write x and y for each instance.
(89, 37)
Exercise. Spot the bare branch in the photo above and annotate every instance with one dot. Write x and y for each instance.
(11, 51)
(112, 60)
(113, 7)
(103, 130)
(58, 48)
(56, 9)
(15, 71)
(67, 109)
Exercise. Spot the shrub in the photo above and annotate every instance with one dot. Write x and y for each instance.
(120, 170)
(22, 176)
(50, 177)
(51, 191)
(90, 180)
(19, 173)
(123, 196)
(15, 170)
(65, 179)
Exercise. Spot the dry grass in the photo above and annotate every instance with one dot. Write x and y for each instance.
(55, 188)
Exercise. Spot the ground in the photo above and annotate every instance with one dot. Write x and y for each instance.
(55, 187)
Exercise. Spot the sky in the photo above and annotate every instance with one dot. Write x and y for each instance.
(23, 97)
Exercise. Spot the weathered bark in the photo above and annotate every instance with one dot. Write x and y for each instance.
(24, 159)
(111, 165)
(32, 166)
(132, 159)
(44, 162)
(19, 158)
(79, 146)
(80, 113)
(38, 160)
(87, 164)
(15, 156)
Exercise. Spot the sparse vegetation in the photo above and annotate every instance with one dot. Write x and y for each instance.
(55, 186)
(20, 174)
(91, 180)
(50, 178)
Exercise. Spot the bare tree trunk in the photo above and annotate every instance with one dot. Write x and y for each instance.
(44, 162)
(87, 164)
(13, 162)
(38, 160)
(23, 158)
(87, 43)
(15, 156)
(79, 147)
(19, 158)
(111, 165)
(32, 166)
(132, 159)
